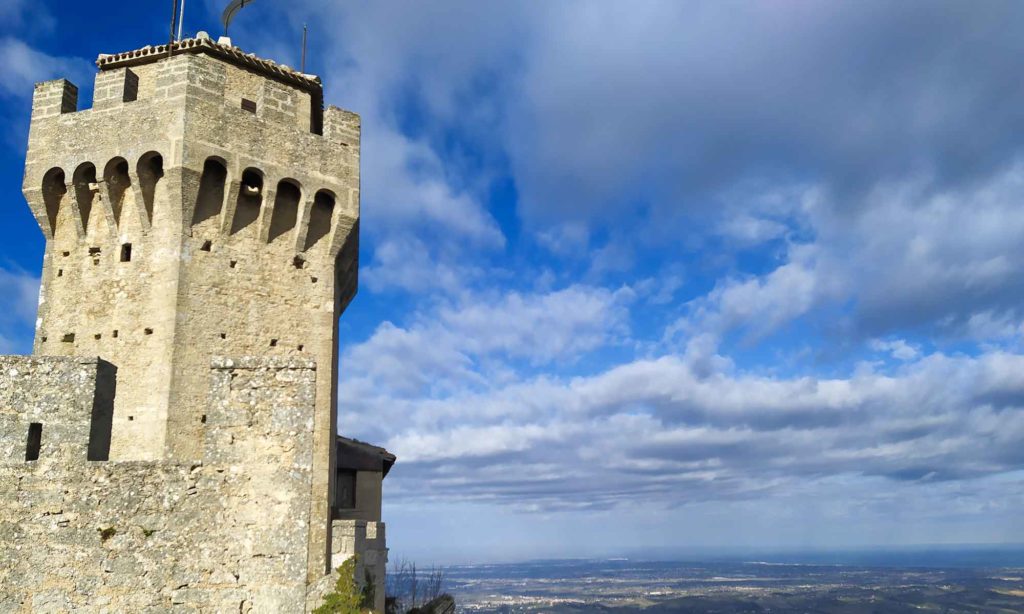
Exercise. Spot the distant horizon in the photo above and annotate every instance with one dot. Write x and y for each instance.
(930, 556)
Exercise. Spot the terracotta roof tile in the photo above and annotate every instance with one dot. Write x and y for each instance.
(205, 44)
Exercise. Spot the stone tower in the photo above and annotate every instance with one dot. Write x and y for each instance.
(205, 206)
(201, 224)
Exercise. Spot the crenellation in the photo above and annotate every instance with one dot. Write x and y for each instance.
(55, 97)
(115, 88)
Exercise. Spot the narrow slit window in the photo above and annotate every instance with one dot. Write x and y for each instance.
(131, 86)
(126, 252)
(35, 441)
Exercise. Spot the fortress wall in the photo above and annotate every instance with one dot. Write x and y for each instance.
(227, 534)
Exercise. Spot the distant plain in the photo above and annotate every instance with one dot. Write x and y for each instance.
(919, 580)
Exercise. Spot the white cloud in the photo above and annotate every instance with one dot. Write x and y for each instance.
(541, 327)
(899, 348)
(21, 292)
(472, 343)
(25, 66)
(761, 304)
(401, 260)
(407, 184)
(656, 429)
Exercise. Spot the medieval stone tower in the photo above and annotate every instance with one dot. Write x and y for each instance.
(170, 444)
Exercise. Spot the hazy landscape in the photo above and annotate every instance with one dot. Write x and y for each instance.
(943, 581)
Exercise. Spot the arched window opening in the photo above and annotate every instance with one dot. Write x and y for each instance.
(115, 175)
(286, 209)
(86, 187)
(53, 193)
(250, 197)
(151, 170)
(211, 191)
(320, 218)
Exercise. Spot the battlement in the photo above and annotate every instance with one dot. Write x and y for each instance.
(258, 86)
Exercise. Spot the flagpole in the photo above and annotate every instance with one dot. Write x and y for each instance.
(181, 18)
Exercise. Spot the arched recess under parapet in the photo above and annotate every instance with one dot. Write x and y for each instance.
(54, 190)
(250, 199)
(84, 181)
(210, 200)
(320, 218)
(115, 175)
(151, 171)
(286, 208)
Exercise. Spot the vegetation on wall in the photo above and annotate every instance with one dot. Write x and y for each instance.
(347, 598)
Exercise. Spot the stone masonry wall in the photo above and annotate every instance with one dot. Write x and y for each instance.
(367, 541)
(224, 534)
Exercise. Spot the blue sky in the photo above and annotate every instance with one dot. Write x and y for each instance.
(650, 274)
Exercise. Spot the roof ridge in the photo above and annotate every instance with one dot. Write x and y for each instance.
(203, 43)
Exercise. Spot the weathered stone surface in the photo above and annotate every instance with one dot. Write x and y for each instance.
(153, 536)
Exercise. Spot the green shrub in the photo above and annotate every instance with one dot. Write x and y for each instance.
(346, 597)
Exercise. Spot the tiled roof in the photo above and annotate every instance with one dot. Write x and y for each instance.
(204, 44)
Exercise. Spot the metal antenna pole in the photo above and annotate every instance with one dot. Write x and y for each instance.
(181, 18)
(303, 65)
(174, 17)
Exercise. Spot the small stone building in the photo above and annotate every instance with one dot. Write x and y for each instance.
(169, 446)
(359, 481)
